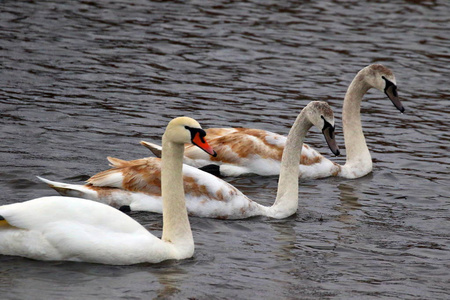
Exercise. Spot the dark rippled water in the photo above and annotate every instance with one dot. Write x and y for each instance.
(82, 80)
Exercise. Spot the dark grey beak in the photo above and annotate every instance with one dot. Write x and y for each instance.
(328, 133)
(391, 91)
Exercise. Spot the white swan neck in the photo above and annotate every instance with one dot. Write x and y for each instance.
(176, 227)
(358, 159)
(286, 203)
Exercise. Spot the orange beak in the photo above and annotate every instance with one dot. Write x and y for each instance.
(202, 144)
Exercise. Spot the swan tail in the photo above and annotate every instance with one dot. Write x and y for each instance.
(156, 149)
(112, 196)
(71, 190)
(117, 162)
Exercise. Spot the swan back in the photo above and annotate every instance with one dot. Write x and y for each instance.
(65, 228)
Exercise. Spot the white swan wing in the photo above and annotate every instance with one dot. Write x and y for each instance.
(40, 212)
(65, 228)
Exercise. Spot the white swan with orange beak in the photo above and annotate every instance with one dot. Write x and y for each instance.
(73, 229)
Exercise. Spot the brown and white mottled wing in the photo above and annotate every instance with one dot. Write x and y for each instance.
(140, 175)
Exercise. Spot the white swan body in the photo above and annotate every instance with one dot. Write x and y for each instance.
(244, 151)
(136, 183)
(73, 229)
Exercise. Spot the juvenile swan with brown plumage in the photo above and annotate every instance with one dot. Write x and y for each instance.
(136, 183)
(256, 151)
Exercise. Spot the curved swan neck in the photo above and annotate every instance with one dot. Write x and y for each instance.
(286, 203)
(357, 153)
(176, 227)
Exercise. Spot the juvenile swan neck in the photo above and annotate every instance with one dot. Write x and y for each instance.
(286, 203)
(357, 153)
(176, 227)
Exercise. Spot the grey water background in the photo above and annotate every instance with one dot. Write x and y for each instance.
(82, 80)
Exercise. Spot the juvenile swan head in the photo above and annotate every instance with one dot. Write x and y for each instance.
(321, 115)
(383, 79)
